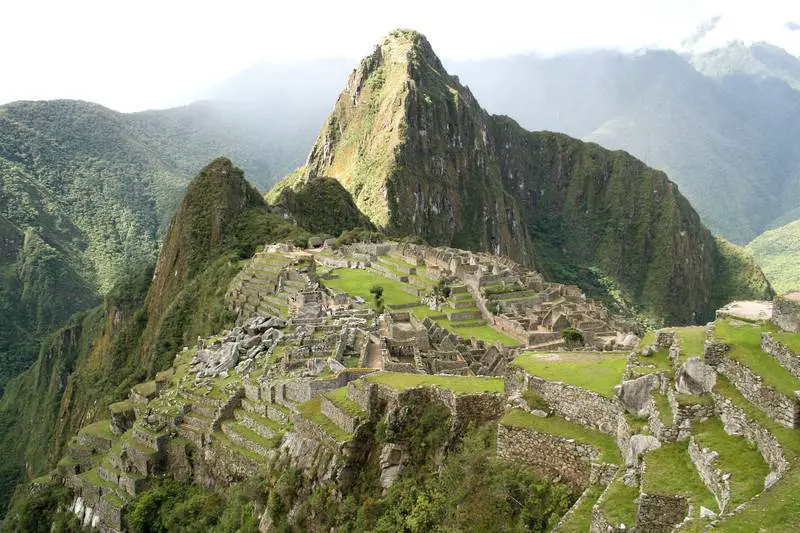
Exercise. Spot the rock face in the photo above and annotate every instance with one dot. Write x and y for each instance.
(635, 393)
(419, 155)
(695, 377)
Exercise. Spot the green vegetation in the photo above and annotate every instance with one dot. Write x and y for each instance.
(99, 429)
(555, 425)
(573, 337)
(777, 251)
(737, 456)
(174, 506)
(596, 371)
(664, 409)
(619, 507)
(669, 471)
(788, 339)
(356, 282)
(322, 206)
(692, 339)
(311, 411)
(581, 517)
(458, 384)
(745, 341)
(535, 401)
(339, 397)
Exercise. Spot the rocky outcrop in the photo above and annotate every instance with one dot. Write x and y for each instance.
(695, 377)
(634, 394)
(419, 155)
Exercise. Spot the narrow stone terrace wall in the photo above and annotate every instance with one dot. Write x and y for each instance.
(660, 514)
(782, 409)
(582, 406)
(783, 355)
(716, 480)
(549, 455)
(736, 422)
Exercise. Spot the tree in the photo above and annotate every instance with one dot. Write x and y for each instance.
(377, 291)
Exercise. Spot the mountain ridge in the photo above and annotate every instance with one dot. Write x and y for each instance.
(419, 155)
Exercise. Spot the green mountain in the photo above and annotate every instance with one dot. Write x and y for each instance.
(419, 155)
(86, 194)
(777, 251)
(724, 135)
(94, 359)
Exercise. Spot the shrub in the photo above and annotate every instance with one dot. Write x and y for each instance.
(573, 337)
(377, 291)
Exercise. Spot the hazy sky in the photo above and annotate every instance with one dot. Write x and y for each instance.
(160, 53)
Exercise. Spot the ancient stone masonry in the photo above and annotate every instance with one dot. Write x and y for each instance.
(658, 513)
(553, 456)
(736, 422)
(785, 357)
(717, 481)
(786, 312)
(583, 406)
(781, 408)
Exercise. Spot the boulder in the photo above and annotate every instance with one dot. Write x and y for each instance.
(335, 365)
(705, 512)
(635, 393)
(250, 342)
(695, 377)
(245, 366)
(228, 356)
(637, 445)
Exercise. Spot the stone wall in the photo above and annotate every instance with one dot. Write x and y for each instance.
(782, 409)
(714, 352)
(785, 357)
(549, 455)
(737, 422)
(717, 481)
(786, 313)
(585, 407)
(660, 514)
(339, 416)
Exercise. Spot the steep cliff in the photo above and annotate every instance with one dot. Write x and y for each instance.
(420, 156)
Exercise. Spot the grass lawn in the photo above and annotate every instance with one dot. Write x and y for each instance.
(311, 411)
(482, 333)
(664, 409)
(99, 429)
(670, 472)
(356, 282)
(777, 510)
(458, 384)
(619, 506)
(581, 517)
(692, 340)
(555, 425)
(737, 456)
(790, 340)
(596, 371)
(745, 341)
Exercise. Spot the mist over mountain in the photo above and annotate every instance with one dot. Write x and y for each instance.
(725, 138)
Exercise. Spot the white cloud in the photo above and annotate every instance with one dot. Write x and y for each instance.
(158, 53)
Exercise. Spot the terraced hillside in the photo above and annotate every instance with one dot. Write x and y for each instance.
(354, 391)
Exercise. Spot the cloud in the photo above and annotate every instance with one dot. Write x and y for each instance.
(703, 29)
(793, 26)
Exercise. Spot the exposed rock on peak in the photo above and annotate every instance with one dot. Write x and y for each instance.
(420, 156)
